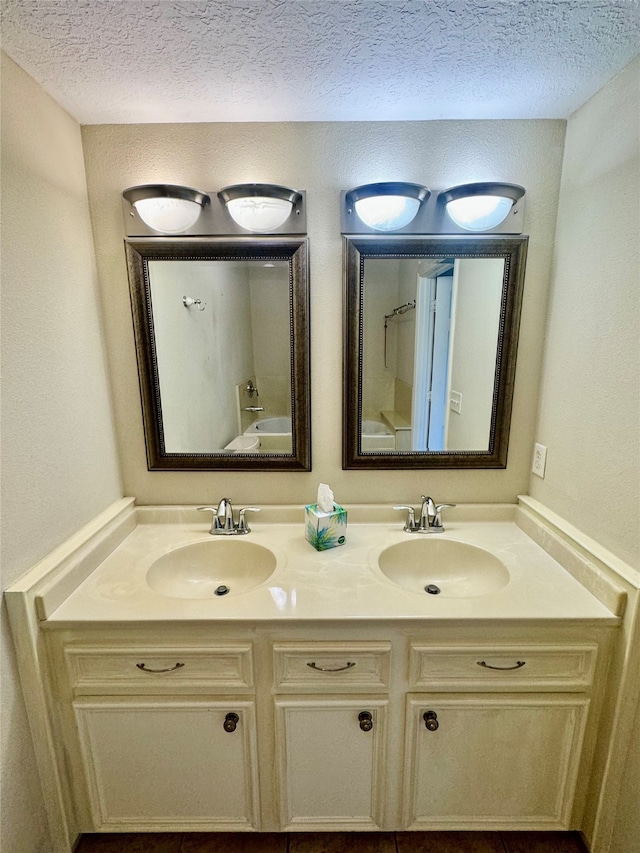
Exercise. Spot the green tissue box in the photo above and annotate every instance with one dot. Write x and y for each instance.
(325, 530)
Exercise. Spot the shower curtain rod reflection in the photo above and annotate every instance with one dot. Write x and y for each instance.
(401, 309)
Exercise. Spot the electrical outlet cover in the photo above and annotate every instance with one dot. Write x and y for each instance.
(539, 460)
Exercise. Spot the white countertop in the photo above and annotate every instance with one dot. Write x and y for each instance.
(343, 583)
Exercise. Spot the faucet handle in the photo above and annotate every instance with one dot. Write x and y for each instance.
(242, 524)
(411, 516)
(439, 508)
(213, 517)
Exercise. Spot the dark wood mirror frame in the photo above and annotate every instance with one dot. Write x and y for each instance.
(356, 250)
(139, 253)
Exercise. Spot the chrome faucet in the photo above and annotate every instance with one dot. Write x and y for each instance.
(430, 516)
(222, 523)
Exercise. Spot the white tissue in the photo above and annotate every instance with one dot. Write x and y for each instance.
(325, 498)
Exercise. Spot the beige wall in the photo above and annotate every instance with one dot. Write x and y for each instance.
(589, 411)
(59, 463)
(589, 415)
(322, 159)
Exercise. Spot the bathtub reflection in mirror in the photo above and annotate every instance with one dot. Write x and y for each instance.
(430, 350)
(222, 342)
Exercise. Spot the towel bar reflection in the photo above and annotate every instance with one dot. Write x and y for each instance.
(188, 301)
(401, 309)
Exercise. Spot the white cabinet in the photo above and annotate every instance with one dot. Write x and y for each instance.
(505, 761)
(166, 734)
(477, 758)
(331, 738)
(331, 762)
(168, 763)
(330, 734)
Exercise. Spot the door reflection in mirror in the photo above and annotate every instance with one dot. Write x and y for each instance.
(429, 352)
(223, 360)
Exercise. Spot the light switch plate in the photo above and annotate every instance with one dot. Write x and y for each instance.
(539, 460)
(456, 401)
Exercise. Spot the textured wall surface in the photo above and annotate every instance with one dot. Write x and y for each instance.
(59, 464)
(320, 60)
(590, 393)
(322, 159)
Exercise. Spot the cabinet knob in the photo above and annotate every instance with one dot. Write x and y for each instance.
(230, 722)
(431, 720)
(366, 721)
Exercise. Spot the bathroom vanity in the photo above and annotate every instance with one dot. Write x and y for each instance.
(321, 694)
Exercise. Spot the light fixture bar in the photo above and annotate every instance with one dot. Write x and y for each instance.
(153, 210)
(396, 207)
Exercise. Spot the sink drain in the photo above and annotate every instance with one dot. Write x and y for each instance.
(432, 589)
(222, 590)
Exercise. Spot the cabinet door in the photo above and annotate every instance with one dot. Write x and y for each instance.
(493, 761)
(169, 764)
(331, 762)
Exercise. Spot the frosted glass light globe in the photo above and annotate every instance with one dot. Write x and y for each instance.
(387, 212)
(480, 212)
(259, 213)
(168, 215)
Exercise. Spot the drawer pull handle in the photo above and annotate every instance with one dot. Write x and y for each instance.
(230, 722)
(488, 665)
(145, 668)
(328, 669)
(431, 720)
(366, 721)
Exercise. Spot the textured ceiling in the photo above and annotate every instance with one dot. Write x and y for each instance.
(121, 61)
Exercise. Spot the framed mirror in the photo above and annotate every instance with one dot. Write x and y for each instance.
(222, 341)
(431, 335)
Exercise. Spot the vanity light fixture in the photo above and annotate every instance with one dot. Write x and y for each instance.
(166, 208)
(261, 208)
(387, 206)
(481, 206)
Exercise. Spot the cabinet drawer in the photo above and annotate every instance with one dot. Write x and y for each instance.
(348, 666)
(488, 667)
(158, 669)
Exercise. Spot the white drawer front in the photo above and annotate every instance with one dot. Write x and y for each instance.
(159, 669)
(315, 666)
(521, 667)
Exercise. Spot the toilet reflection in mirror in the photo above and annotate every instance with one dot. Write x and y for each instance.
(430, 338)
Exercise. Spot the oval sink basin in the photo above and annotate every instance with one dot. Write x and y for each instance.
(443, 567)
(211, 568)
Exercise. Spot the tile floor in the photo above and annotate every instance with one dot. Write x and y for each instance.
(333, 842)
